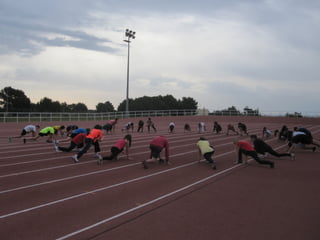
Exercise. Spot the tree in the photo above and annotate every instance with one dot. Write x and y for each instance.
(14, 100)
(250, 112)
(167, 102)
(105, 107)
(47, 105)
(188, 103)
(79, 107)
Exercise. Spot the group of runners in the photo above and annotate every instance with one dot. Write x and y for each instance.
(256, 148)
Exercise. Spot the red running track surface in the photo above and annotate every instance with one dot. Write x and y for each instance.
(44, 195)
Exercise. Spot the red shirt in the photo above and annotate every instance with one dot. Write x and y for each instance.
(79, 138)
(161, 142)
(245, 146)
(120, 144)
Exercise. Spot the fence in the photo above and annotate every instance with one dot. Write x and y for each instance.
(89, 116)
(94, 116)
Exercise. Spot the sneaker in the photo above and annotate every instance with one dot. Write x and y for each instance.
(144, 163)
(272, 165)
(314, 149)
(97, 155)
(100, 160)
(214, 167)
(161, 161)
(293, 156)
(75, 158)
(56, 147)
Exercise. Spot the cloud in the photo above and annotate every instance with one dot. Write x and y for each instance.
(221, 53)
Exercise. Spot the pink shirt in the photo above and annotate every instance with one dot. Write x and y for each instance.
(161, 142)
(120, 144)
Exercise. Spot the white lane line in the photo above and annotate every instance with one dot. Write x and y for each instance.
(146, 204)
(155, 200)
(83, 175)
(102, 189)
(87, 162)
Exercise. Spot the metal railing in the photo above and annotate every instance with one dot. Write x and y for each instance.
(94, 116)
(88, 116)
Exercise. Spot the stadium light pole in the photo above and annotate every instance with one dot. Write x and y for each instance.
(129, 34)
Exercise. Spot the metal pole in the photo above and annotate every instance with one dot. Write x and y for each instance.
(127, 96)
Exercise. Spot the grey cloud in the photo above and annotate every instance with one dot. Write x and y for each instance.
(24, 33)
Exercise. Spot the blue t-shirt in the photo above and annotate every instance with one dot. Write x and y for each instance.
(79, 130)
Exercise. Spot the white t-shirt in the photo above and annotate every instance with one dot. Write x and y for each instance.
(30, 128)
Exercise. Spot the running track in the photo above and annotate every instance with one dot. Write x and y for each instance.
(44, 195)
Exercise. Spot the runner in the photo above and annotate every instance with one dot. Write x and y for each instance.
(263, 148)
(77, 141)
(117, 148)
(26, 130)
(244, 147)
(93, 138)
(206, 151)
(47, 131)
(156, 146)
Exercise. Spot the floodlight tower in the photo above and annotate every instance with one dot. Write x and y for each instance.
(129, 34)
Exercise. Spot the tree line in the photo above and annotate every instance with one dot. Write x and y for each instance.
(15, 100)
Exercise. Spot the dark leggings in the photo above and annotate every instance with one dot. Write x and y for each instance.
(208, 156)
(71, 147)
(252, 154)
(114, 153)
(274, 153)
(88, 143)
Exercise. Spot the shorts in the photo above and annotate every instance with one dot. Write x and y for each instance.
(43, 134)
(155, 151)
(304, 139)
(24, 132)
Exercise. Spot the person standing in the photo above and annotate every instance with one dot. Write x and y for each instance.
(206, 151)
(156, 146)
(201, 127)
(93, 138)
(150, 124)
(244, 147)
(140, 125)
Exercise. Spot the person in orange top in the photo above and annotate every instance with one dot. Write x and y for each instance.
(244, 147)
(93, 138)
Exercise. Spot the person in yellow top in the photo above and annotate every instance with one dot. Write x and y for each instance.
(93, 138)
(206, 151)
(59, 129)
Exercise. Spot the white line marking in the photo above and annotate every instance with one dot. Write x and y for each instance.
(146, 204)
(102, 189)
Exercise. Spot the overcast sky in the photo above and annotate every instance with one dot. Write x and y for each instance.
(259, 53)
